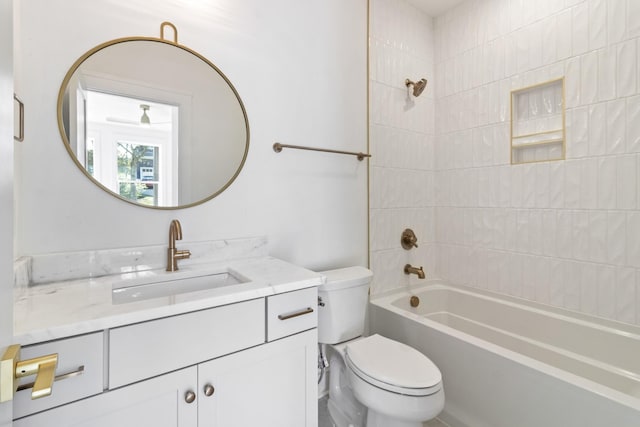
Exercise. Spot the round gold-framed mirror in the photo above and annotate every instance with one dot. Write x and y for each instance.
(153, 122)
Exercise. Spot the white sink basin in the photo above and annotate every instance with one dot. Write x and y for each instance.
(157, 285)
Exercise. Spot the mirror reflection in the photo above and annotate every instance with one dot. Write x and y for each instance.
(153, 123)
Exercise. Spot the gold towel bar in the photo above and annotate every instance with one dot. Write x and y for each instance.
(277, 147)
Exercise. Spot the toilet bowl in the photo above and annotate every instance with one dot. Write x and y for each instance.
(399, 385)
(374, 381)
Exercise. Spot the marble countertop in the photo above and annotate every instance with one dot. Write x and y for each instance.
(72, 307)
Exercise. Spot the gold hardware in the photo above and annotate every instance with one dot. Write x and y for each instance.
(307, 310)
(414, 301)
(408, 269)
(173, 254)
(277, 147)
(173, 27)
(20, 136)
(418, 86)
(209, 390)
(12, 369)
(409, 239)
(60, 377)
(189, 397)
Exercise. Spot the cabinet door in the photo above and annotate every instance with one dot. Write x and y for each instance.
(158, 402)
(272, 385)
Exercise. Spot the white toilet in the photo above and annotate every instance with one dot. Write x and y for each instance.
(383, 381)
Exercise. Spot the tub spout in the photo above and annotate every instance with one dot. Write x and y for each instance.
(409, 269)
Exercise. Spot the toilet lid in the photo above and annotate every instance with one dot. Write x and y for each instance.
(393, 363)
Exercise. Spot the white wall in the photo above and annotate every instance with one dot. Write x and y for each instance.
(300, 69)
(565, 233)
(401, 138)
(6, 189)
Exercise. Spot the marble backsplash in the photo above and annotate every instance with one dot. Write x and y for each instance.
(47, 268)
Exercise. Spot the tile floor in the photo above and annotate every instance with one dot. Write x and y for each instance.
(324, 420)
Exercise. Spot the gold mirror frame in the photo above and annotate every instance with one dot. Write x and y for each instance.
(174, 43)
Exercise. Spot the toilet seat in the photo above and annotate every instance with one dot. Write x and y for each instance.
(393, 366)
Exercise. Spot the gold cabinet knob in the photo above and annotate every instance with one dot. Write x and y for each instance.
(189, 397)
(209, 390)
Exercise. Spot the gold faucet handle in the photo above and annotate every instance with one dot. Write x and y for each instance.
(12, 369)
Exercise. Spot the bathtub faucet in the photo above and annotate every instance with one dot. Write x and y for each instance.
(408, 269)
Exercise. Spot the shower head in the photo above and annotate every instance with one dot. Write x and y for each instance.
(418, 87)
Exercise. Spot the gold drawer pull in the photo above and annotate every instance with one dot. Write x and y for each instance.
(295, 314)
(12, 369)
(60, 377)
(20, 136)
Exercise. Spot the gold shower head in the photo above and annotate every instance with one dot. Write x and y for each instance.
(418, 87)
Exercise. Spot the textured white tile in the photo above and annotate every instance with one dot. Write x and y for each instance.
(633, 124)
(529, 186)
(522, 231)
(542, 186)
(589, 289)
(511, 230)
(556, 282)
(564, 236)
(549, 37)
(580, 27)
(572, 82)
(589, 78)
(557, 184)
(577, 132)
(633, 18)
(572, 184)
(616, 238)
(597, 24)
(626, 182)
(564, 34)
(616, 127)
(616, 20)
(516, 186)
(597, 129)
(515, 273)
(588, 183)
(580, 235)
(607, 182)
(626, 68)
(549, 232)
(541, 280)
(516, 14)
(633, 242)
(572, 285)
(535, 232)
(597, 236)
(606, 283)
(625, 294)
(607, 73)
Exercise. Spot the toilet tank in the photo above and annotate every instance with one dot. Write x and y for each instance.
(343, 304)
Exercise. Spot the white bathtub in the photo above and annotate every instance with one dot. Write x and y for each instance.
(507, 362)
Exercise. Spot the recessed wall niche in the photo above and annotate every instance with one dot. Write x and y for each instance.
(538, 123)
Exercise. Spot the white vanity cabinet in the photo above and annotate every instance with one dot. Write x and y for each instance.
(273, 385)
(157, 402)
(217, 367)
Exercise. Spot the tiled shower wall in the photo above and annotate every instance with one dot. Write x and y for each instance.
(401, 142)
(565, 233)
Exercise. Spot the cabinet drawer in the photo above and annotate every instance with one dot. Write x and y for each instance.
(152, 348)
(291, 313)
(81, 357)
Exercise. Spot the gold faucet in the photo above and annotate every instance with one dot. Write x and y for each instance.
(409, 269)
(173, 255)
